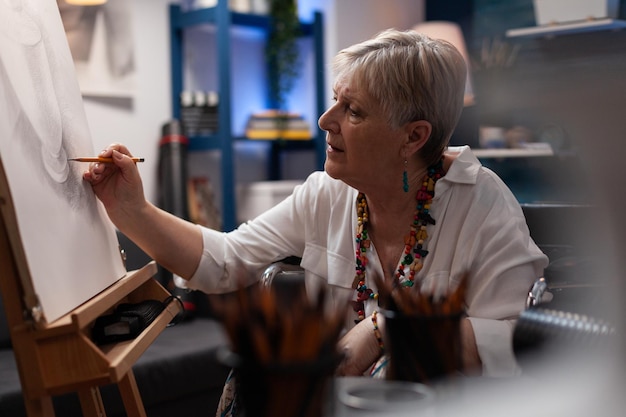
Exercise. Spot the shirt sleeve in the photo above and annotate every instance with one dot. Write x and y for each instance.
(240, 256)
(493, 341)
(483, 233)
(506, 263)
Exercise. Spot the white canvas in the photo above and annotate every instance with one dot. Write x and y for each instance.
(70, 245)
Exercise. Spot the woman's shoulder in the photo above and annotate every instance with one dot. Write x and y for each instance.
(323, 194)
(319, 183)
(322, 178)
(477, 183)
(464, 167)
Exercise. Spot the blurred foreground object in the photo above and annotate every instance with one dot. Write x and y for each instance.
(422, 331)
(563, 319)
(283, 355)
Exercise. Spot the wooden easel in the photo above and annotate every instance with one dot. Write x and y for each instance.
(59, 357)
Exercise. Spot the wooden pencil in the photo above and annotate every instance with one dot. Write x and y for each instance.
(100, 159)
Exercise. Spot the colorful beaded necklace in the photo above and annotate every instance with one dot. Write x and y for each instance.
(414, 251)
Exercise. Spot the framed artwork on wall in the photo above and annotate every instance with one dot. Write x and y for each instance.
(101, 41)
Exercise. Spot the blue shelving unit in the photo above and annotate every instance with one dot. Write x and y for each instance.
(223, 19)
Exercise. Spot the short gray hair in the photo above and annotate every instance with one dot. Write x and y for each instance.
(414, 78)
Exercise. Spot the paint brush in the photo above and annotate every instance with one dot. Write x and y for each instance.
(100, 159)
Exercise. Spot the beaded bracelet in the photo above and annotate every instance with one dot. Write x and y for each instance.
(379, 337)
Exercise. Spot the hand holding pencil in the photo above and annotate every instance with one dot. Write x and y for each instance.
(116, 181)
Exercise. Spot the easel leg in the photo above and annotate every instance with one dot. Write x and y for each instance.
(41, 407)
(130, 396)
(91, 402)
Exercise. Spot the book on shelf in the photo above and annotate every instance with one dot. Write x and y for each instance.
(278, 134)
(272, 124)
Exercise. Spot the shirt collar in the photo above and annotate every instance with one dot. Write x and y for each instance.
(464, 168)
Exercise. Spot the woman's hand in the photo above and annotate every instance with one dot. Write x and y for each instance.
(171, 241)
(117, 185)
(361, 348)
(472, 364)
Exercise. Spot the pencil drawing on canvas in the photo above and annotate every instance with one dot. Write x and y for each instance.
(62, 226)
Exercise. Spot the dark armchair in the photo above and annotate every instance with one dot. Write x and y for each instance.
(566, 310)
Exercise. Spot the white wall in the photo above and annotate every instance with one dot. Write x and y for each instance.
(137, 122)
(358, 20)
(351, 21)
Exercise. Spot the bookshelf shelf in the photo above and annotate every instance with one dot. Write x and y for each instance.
(566, 28)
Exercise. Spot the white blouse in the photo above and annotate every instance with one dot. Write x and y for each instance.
(480, 229)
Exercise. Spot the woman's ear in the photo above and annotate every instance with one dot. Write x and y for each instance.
(418, 133)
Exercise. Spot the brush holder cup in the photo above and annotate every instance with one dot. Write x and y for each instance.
(298, 389)
(422, 348)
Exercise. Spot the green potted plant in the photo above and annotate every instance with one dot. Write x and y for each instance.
(282, 54)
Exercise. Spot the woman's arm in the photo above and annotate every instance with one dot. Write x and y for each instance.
(469, 351)
(171, 241)
(362, 348)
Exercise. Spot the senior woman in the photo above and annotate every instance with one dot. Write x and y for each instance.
(397, 99)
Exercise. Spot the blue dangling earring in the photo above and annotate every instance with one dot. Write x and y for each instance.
(405, 178)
